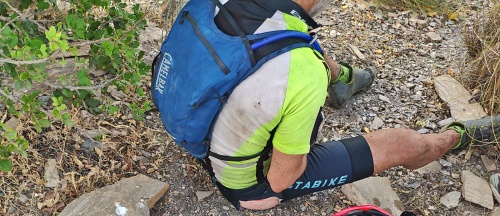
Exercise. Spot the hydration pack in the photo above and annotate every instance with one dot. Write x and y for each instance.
(199, 66)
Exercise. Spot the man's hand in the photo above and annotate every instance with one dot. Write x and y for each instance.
(285, 170)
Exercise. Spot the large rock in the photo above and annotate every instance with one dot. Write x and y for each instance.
(433, 167)
(203, 194)
(451, 199)
(434, 36)
(476, 190)
(130, 196)
(152, 34)
(457, 97)
(377, 123)
(376, 191)
(50, 174)
(488, 163)
(495, 212)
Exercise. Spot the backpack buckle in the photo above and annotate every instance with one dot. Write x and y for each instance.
(223, 98)
(314, 39)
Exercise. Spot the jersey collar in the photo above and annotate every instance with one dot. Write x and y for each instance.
(294, 9)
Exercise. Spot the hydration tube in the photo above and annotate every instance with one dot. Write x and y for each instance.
(287, 34)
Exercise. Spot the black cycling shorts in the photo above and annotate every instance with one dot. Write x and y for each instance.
(329, 165)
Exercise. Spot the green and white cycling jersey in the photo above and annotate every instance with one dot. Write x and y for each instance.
(284, 95)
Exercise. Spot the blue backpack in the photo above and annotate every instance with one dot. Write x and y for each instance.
(199, 66)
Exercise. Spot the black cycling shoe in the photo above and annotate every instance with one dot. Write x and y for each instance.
(485, 130)
(361, 79)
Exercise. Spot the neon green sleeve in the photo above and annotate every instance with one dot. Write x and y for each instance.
(306, 93)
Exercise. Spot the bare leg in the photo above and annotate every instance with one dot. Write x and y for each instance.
(408, 148)
(334, 67)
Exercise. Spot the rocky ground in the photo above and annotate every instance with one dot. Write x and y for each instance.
(408, 48)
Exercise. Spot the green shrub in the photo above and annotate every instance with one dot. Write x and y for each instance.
(38, 34)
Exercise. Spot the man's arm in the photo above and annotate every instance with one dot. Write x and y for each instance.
(285, 169)
(334, 67)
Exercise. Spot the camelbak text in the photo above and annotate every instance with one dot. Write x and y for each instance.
(163, 72)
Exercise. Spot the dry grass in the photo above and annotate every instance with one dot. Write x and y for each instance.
(482, 39)
(439, 6)
(168, 11)
(130, 148)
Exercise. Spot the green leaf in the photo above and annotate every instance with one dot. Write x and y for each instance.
(136, 79)
(141, 54)
(28, 84)
(24, 154)
(30, 97)
(42, 5)
(82, 94)
(67, 93)
(40, 115)
(11, 135)
(66, 118)
(43, 50)
(5, 165)
(51, 33)
(83, 79)
(55, 112)
(127, 76)
(38, 127)
(140, 92)
(55, 102)
(23, 143)
(33, 43)
(64, 45)
(87, 5)
(68, 122)
(113, 109)
(24, 75)
(45, 123)
(53, 46)
(62, 107)
(92, 102)
(130, 53)
(108, 47)
(25, 4)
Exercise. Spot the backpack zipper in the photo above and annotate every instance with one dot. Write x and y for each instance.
(203, 40)
(184, 13)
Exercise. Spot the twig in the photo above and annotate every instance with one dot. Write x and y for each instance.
(4, 117)
(8, 23)
(10, 6)
(21, 16)
(8, 96)
(84, 43)
(74, 88)
(27, 62)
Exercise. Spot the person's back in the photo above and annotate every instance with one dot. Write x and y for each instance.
(280, 101)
